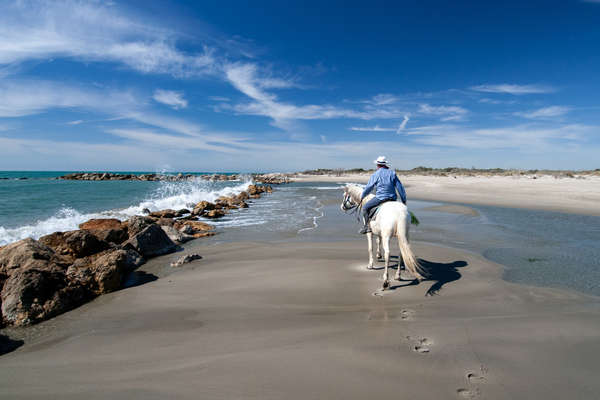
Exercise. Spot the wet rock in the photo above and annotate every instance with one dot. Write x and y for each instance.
(186, 259)
(150, 242)
(202, 207)
(164, 214)
(214, 214)
(182, 212)
(146, 211)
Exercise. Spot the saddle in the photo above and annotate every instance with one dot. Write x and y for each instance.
(373, 211)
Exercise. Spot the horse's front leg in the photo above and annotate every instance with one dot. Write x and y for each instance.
(370, 245)
(386, 254)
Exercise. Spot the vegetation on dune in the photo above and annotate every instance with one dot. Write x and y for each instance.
(457, 171)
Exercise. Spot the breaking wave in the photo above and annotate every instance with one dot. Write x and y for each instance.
(173, 195)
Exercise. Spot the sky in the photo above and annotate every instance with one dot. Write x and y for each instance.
(287, 86)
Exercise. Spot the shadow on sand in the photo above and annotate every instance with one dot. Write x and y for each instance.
(439, 273)
(7, 344)
(137, 278)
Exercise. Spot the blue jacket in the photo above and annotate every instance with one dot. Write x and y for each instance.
(386, 182)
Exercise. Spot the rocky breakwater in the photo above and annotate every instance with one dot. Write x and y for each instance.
(223, 204)
(42, 278)
(109, 176)
(272, 179)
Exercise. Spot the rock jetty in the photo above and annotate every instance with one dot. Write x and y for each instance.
(271, 179)
(42, 278)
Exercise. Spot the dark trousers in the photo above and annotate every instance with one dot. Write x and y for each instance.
(374, 202)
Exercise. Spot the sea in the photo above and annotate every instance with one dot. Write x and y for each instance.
(541, 248)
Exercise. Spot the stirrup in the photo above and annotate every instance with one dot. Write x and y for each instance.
(365, 229)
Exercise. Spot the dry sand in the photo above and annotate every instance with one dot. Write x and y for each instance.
(300, 321)
(573, 195)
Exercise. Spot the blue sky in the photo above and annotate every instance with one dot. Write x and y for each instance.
(248, 86)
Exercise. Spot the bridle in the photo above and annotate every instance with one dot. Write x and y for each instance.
(349, 207)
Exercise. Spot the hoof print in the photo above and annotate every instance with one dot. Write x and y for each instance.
(421, 349)
(472, 377)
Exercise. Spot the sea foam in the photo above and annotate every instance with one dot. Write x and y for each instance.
(173, 195)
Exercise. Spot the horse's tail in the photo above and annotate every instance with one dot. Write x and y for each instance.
(408, 256)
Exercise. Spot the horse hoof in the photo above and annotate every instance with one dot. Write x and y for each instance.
(386, 284)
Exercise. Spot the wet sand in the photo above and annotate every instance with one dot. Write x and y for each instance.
(572, 195)
(294, 320)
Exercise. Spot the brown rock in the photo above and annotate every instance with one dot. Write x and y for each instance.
(106, 229)
(137, 224)
(201, 207)
(103, 273)
(151, 242)
(24, 254)
(164, 214)
(32, 295)
(195, 226)
(75, 244)
(176, 235)
(215, 214)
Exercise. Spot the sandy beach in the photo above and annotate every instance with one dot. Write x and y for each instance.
(572, 195)
(304, 320)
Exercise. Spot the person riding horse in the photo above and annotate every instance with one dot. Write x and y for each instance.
(385, 182)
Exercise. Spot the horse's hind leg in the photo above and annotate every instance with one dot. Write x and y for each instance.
(370, 248)
(378, 243)
(400, 266)
(386, 254)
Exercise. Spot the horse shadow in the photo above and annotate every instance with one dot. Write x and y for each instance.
(439, 273)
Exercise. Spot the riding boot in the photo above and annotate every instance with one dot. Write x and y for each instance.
(365, 228)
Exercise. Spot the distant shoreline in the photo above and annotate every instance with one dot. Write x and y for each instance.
(576, 193)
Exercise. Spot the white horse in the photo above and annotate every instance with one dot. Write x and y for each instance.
(392, 219)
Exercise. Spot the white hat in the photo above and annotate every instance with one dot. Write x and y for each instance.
(381, 160)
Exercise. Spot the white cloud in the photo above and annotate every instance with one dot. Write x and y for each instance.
(529, 138)
(544, 113)
(513, 89)
(247, 79)
(403, 124)
(90, 31)
(76, 122)
(375, 128)
(171, 98)
(447, 113)
(21, 98)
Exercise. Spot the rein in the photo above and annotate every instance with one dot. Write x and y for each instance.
(348, 205)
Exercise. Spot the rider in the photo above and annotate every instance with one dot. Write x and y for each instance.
(385, 182)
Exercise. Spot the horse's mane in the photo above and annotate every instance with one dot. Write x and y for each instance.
(355, 191)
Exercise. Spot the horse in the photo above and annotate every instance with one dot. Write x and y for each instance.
(392, 219)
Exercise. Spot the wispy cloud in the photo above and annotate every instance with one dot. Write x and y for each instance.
(20, 98)
(76, 122)
(90, 31)
(378, 128)
(513, 89)
(171, 98)
(545, 112)
(534, 138)
(447, 113)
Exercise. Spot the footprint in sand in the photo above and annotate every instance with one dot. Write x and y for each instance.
(407, 314)
(422, 344)
(473, 377)
(467, 393)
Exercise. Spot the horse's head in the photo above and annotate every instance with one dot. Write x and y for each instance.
(348, 203)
